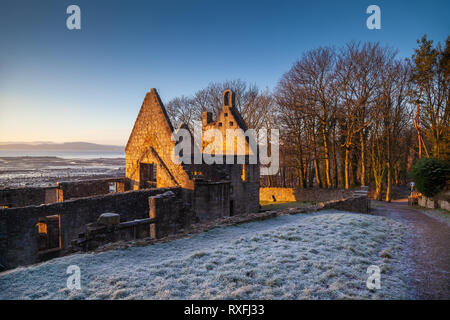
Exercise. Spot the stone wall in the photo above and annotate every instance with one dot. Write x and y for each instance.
(245, 194)
(211, 200)
(359, 204)
(169, 209)
(87, 188)
(18, 232)
(22, 197)
(170, 213)
(302, 195)
(109, 230)
(434, 203)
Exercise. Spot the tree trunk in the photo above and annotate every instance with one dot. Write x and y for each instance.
(377, 173)
(416, 125)
(342, 168)
(353, 169)
(316, 163)
(389, 169)
(378, 188)
(363, 159)
(316, 171)
(327, 157)
(346, 164)
(300, 169)
(311, 177)
(389, 182)
(397, 174)
(335, 168)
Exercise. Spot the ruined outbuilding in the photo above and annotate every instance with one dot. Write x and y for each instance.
(226, 189)
(158, 196)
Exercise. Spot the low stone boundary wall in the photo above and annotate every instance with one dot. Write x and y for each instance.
(170, 224)
(18, 226)
(172, 216)
(431, 203)
(302, 195)
(152, 213)
(358, 203)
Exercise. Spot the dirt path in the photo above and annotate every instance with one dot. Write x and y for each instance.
(428, 254)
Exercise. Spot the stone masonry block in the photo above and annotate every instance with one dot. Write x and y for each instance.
(109, 219)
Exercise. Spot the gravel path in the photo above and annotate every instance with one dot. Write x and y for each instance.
(427, 255)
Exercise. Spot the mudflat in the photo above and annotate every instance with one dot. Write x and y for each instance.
(17, 172)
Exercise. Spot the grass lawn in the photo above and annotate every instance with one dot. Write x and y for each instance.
(306, 256)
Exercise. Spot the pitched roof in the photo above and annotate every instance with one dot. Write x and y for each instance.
(152, 104)
(239, 120)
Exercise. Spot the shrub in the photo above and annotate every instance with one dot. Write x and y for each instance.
(430, 175)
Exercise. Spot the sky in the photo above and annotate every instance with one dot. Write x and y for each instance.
(87, 85)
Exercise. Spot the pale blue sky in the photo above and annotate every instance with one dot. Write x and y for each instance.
(88, 85)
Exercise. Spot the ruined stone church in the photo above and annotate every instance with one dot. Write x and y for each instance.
(218, 189)
(156, 198)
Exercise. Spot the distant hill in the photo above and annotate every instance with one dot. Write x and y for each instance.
(66, 146)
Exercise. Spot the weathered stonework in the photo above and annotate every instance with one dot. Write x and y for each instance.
(99, 234)
(211, 200)
(21, 197)
(151, 142)
(19, 234)
(41, 223)
(170, 213)
(432, 203)
(149, 160)
(302, 195)
(360, 204)
(80, 189)
(341, 199)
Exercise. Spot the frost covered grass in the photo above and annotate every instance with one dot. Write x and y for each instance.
(314, 256)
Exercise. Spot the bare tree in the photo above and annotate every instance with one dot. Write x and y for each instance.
(182, 110)
(394, 112)
(358, 71)
(255, 107)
